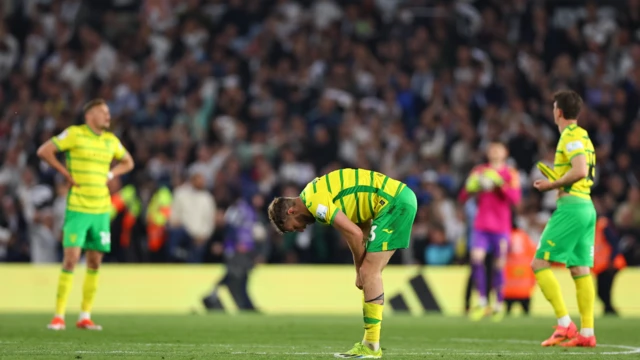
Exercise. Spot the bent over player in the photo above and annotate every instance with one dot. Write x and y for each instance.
(89, 151)
(569, 235)
(353, 200)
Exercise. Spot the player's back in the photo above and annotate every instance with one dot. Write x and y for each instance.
(360, 194)
(575, 141)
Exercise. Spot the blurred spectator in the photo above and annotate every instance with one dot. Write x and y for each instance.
(44, 240)
(262, 94)
(12, 219)
(243, 246)
(520, 280)
(439, 251)
(192, 220)
(628, 214)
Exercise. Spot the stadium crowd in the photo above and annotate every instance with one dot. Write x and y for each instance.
(226, 103)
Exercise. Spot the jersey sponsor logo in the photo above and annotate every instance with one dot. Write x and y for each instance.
(574, 145)
(321, 212)
(63, 135)
(387, 231)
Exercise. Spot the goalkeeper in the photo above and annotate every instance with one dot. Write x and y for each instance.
(497, 187)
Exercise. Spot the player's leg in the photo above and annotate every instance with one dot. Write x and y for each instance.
(74, 235)
(580, 264)
(556, 243)
(509, 304)
(98, 243)
(500, 243)
(605, 284)
(479, 248)
(390, 231)
(373, 291)
(467, 294)
(526, 305)
(372, 305)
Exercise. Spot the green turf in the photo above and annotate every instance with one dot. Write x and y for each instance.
(300, 337)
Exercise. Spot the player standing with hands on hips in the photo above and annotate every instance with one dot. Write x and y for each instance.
(569, 235)
(89, 150)
(497, 187)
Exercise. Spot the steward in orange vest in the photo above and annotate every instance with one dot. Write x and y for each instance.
(519, 278)
(607, 261)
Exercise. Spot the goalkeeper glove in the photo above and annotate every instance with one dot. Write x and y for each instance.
(473, 183)
(494, 176)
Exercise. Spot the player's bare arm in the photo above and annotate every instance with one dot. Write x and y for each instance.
(579, 170)
(125, 165)
(47, 152)
(353, 235)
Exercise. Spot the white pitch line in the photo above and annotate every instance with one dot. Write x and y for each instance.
(630, 350)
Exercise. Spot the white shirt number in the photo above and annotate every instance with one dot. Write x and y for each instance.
(372, 234)
(105, 238)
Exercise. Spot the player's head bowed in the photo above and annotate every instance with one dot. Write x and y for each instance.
(289, 214)
(278, 212)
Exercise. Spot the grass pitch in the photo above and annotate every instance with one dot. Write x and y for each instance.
(301, 337)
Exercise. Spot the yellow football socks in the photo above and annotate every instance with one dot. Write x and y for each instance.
(586, 298)
(551, 290)
(65, 283)
(89, 290)
(372, 323)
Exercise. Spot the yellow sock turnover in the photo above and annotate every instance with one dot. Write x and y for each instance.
(89, 290)
(551, 290)
(65, 283)
(586, 297)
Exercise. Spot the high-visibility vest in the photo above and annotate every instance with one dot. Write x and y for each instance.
(519, 278)
(603, 250)
(158, 213)
(126, 200)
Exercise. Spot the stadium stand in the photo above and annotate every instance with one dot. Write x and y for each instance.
(259, 97)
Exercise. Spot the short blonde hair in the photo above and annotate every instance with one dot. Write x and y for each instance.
(278, 212)
(91, 104)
